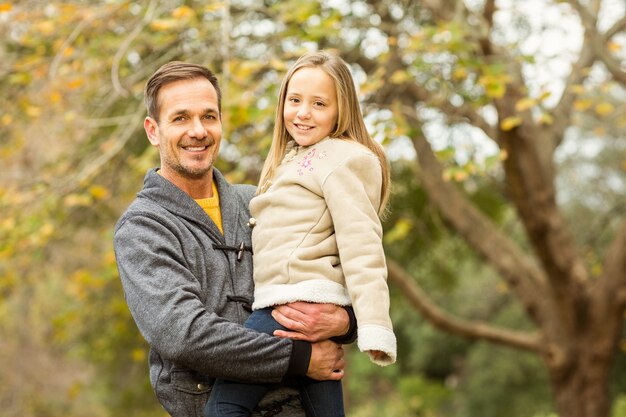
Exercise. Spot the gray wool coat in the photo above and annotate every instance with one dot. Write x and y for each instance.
(189, 294)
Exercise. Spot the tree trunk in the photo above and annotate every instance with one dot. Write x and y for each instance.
(582, 389)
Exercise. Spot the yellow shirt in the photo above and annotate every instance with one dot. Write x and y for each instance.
(211, 207)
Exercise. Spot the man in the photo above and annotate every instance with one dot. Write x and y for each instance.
(183, 254)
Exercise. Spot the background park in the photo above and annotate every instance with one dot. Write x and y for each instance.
(505, 124)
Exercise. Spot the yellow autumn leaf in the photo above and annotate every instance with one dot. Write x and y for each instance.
(33, 111)
(55, 97)
(510, 123)
(182, 12)
(544, 96)
(6, 119)
(5, 7)
(98, 192)
(614, 47)
(77, 200)
(495, 90)
(399, 77)
(525, 104)
(46, 230)
(74, 84)
(399, 231)
(68, 51)
(278, 64)
(577, 89)
(211, 8)
(162, 25)
(582, 104)
(74, 390)
(138, 355)
(604, 108)
(460, 175)
(459, 74)
(46, 27)
(546, 119)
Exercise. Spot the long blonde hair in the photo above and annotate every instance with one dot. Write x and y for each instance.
(350, 124)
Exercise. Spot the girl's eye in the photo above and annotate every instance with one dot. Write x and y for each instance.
(319, 103)
(294, 100)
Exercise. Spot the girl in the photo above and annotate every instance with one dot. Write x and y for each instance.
(317, 235)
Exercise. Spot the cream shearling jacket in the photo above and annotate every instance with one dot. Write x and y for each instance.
(317, 237)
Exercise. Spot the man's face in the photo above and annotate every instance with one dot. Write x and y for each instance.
(189, 130)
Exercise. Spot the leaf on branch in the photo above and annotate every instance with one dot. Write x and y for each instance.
(399, 231)
(458, 174)
(582, 104)
(74, 84)
(510, 123)
(614, 47)
(546, 119)
(495, 90)
(525, 104)
(163, 25)
(182, 12)
(459, 74)
(213, 7)
(400, 77)
(98, 192)
(603, 109)
(544, 96)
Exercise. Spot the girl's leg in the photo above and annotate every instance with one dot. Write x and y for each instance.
(322, 398)
(230, 398)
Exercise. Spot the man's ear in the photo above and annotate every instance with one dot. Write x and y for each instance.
(150, 126)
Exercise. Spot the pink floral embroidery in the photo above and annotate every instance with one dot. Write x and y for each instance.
(306, 164)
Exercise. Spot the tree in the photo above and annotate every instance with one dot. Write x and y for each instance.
(578, 311)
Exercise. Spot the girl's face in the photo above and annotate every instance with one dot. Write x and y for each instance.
(311, 110)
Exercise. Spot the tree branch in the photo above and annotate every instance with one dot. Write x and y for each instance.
(54, 66)
(96, 166)
(521, 273)
(465, 328)
(614, 269)
(599, 42)
(121, 51)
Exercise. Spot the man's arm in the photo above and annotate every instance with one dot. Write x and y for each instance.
(164, 299)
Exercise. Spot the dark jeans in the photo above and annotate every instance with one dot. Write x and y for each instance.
(228, 398)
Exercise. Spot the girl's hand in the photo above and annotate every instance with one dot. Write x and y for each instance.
(377, 354)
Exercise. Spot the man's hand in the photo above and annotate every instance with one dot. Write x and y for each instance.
(326, 362)
(311, 322)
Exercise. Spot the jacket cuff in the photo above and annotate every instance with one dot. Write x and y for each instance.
(300, 358)
(351, 336)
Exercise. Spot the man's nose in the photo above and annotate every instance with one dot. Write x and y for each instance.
(197, 130)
